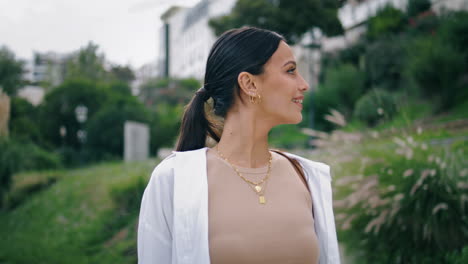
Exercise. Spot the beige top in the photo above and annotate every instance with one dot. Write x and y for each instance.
(241, 230)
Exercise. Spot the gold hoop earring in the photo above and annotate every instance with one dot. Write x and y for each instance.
(252, 99)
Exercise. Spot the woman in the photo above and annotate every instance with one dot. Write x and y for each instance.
(240, 202)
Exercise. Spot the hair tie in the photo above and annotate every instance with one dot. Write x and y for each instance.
(203, 92)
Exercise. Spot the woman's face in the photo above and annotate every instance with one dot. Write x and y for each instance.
(282, 88)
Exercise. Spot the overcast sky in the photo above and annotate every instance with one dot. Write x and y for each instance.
(125, 30)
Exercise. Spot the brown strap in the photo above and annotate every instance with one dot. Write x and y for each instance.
(297, 166)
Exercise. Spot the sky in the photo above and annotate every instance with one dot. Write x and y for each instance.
(126, 31)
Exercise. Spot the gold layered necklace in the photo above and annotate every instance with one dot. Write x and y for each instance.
(256, 186)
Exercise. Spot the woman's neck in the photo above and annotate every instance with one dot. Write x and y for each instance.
(244, 141)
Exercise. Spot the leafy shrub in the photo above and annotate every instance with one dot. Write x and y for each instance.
(340, 90)
(415, 7)
(127, 195)
(453, 31)
(8, 165)
(412, 197)
(287, 136)
(385, 60)
(16, 156)
(105, 130)
(438, 71)
(387, 21)
(24, 120)
(165, 123)
(59, 106)
(458, 258)
(374, 106)
(34, 157)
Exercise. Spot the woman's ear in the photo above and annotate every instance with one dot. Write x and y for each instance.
(247, 84)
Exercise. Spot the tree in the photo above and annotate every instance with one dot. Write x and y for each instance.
(122, 73)
(106, 128)
(58, 111)
(172, 91)
(24, 122)
(11, 70)
(388, 21)
(86, 64)
(290, 18)
(415, 7)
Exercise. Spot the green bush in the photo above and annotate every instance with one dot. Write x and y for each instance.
(458, 257)
(127, 195)
(24, 121)
(387, 21)
(415, 7)
(165, 123)
(453, 30)
(410, 206)
(105, 130)
(287, 136)
(34, 157)
(342, 87)
(9, 160)
(376, 105)
(59, 106)
(438, 70)
(384, 63)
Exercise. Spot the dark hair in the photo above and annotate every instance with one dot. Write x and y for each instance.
(239, 50)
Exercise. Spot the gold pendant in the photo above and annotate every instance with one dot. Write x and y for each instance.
(262, 200)
(258, 188)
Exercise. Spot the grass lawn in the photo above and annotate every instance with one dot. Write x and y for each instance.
(59, 224)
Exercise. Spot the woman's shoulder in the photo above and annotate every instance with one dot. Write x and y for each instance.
(309, 164)
(305, 161)
(176, 159)
(165, 168)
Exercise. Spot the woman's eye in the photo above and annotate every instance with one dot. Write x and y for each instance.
(292, 70)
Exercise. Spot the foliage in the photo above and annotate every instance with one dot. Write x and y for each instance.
(8, 165)
(416, 7)
(172, 91)
(24, 120)
(387, 21)
(374, 106)
(458, 257)
(87, 63)
(105, 130)
(165, 123)
(123, 74)
(384, 62)
(410, 195)
(127, 195)
(438, 70)
(16, 156)
(68, 216)
(287, 137)
(453, 31)
(59, 106)
(340, 90)
(290, 18)
(11, 71)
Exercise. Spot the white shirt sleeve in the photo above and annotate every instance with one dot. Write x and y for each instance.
(156, 217)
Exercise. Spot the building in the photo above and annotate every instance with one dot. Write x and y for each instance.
(48, 67)
(355, 13)
(186, 38)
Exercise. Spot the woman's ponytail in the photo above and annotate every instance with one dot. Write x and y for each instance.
(195, 126)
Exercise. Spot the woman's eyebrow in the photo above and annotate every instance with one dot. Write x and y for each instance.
(288, 62)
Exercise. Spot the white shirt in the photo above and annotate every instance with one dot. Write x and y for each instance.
(173, 223)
